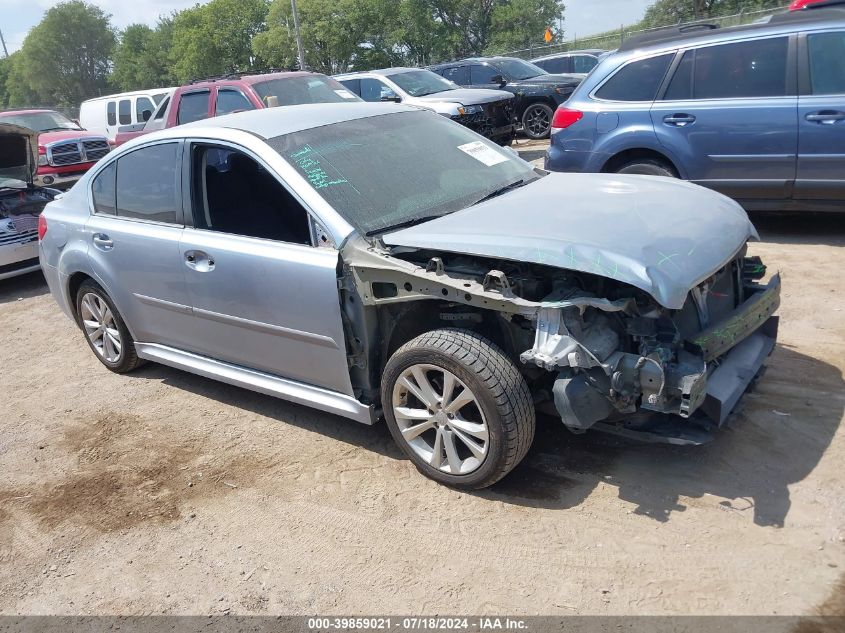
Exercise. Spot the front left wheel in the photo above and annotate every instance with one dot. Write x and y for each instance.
(458, 407)
(537, 121)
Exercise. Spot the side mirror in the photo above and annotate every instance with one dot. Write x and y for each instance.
(498, 79)
(146, 114)
(271, 101)
(393, 98)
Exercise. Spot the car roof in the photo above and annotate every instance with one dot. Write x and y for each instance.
(268, 123)
(703, 33)
(384, 72)
(585, 51)
(30, 111)
(246, 79)
(477, 60)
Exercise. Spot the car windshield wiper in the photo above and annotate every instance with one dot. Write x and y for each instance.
(501, 190)
(406, 223)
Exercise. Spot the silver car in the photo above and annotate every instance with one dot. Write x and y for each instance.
(488, 112)
(377, 260)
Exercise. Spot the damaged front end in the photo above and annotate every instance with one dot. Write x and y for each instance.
(598, 352)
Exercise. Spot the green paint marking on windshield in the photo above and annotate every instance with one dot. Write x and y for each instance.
(572, 258)
(308, 161)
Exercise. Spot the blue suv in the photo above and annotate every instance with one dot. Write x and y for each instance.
(756, 112)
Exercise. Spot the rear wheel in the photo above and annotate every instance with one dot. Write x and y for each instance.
(458, 408)
(537, 120)
(104, 329)
(647, 167)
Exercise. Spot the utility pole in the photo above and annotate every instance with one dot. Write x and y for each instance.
(5, 50)
(298, 35)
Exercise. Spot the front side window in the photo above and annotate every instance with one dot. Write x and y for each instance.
(162, 109)
(741, 70)
(193, 106)
(827, 63)
(378, 174)
(457, 74)
(144, 109)
(148, 184)
(519, 69)
(111, 113)
(637, 81)
(555, 65)
(103, 190)
(482, 74)
(229, 100)
(124, 111)
(232, 193)
(373, 90)
(419, 83)
(680, 88)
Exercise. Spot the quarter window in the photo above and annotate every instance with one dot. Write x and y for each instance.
(827, 63)
(124, 111)
(232, 193)
(111, 113)
(744, 69)
(232, 101)
(148, 184)
(638, 81)
(193, 106)
(103, 190)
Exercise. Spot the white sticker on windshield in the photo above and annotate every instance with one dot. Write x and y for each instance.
(479, 151)
(345, 94)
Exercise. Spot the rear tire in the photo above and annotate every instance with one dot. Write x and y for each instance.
(104, 329)
(458, 408)
(647, 167)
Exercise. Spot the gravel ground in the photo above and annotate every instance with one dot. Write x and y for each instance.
(163, 492)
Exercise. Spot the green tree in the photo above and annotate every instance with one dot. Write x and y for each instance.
(216, 38)
(141, 59)
(5, 69)
(65, 58)
(521, 23)
(665, 12)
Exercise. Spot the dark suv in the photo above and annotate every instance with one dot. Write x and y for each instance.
(756, 112)
(537, 92)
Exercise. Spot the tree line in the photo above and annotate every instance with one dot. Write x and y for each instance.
(75, 52)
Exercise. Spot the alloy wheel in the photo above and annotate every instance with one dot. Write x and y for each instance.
(440, 418)
(100, 327)
(537, 120)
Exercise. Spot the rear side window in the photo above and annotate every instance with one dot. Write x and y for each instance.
(124, 111)
(148, 184)
(638, 81)
(111, 113)
(458, 74)
(555, 65)
(193, 107)
(352, 84)
(583, 63)
(229, 100)
(103, 190)
(827, 63)
(744, 69)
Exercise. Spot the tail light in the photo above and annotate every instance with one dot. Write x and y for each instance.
(42, 227)
(564, 117)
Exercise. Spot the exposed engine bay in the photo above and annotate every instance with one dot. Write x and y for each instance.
(593, 349)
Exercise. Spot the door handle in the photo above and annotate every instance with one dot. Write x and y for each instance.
(199, 261)
(825, 117)
(678, 120)
(102, 241)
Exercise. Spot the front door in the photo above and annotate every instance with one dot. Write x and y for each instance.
(729, 113)
(821, 118)
(263, 297)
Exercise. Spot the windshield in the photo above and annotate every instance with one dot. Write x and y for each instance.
(519, 69)
(419, 83)
(378, 172)
(303, 90)
(40, 121)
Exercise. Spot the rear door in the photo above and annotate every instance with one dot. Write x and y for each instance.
(821, 117)
(730, 114)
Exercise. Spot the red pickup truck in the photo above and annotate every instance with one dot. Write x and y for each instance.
(65, 150)
(237, 93)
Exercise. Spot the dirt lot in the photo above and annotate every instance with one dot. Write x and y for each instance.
(162, 492)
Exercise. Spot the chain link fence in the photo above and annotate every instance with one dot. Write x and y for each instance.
(613, 39)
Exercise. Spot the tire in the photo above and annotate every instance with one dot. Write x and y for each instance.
(113, 346)
(497, 417)
(537, 121)
(647, 167)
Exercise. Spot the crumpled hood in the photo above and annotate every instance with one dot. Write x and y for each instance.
(18, 152)
(661, 235)
(466, 96)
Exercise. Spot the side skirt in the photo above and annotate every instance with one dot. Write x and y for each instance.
(300, 393)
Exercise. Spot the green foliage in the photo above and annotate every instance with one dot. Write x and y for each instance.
(65, 58)
(664, 12)
(5, 69)
(522, 23)
(216, 38)
(141, 59)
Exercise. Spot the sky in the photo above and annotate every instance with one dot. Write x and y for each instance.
(583, 17)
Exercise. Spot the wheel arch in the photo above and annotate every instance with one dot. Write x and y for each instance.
(623, 157)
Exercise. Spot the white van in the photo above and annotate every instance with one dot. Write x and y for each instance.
(106, 114)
